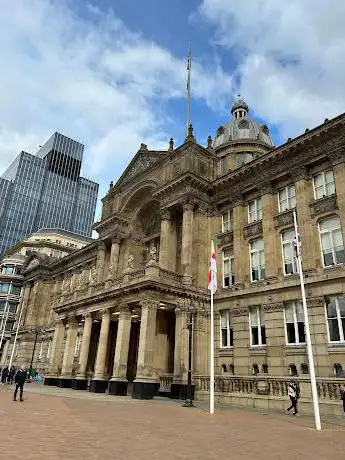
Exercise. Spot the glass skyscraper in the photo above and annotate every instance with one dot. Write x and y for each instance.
(46, 191)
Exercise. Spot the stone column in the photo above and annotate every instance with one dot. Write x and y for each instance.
(145, 385)
(187, 242)
(4, 353)
(241, 247)
(68, 357)
(99, 384)
(32, 304)
(180, 353)
(84, 348)
(164, 260)
(114, 258)
(24, 303)
(273, 259)
(275, 338)
(200, 344)
(240, 323)
(337, 160)
(319, 336)
(56, 351)
(100, 262)
(118, 382)
(311, 254)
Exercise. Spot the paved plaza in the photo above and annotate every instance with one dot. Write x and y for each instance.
(63, 424)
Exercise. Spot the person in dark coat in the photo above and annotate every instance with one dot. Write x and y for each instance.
(11, 374)
(4, 375)
(19, 380)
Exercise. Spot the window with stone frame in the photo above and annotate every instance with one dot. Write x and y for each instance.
(289, 257)
(226, 330)
(257, 327)
(257, 260)
(227, 221)
(294, 323)
(335, 312)
(324, 184)
(221, 165)
(228, 269)
(287, 198)
(332, 244)
(254, 210)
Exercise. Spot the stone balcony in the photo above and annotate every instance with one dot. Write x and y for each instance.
(151, 273)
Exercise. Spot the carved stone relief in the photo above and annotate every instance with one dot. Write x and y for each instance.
(323, 205)
(252, 229)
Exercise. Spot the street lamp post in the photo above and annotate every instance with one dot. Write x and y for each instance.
(33, 353)
(189, 399)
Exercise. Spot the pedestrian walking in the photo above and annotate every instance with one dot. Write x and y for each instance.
(342, 394)
(4, 375)
(19, 380)
(293, 393)
(11, 374)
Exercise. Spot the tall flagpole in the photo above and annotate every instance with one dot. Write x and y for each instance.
(307, 332)
(189, 68)
(15, 337)
(212, 355)
(7, 309)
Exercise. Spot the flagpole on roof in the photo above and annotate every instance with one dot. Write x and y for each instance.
(307, 329)
(189, 69)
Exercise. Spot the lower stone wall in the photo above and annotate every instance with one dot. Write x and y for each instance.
(330, 408)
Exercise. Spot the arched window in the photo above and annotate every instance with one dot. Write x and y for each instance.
(255, 369)
(264, 368)
(231, 369)
(338, 370)
(293, 370)
(224, 371)
(304, 368)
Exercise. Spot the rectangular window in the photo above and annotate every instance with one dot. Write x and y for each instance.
(335, 310)
(226, 331)
(258, 331)
(289, 259)
(294, 323)
(8, 270)
(324, 184)
(287, 198)
(254, 210)
(4, 288)
(257, 260)
(331, 241)
(15, 290)
(228, 269)
(222, 165)
(227, 221)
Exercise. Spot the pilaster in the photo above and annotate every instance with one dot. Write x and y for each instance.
(100, 262)
(56, 353)
(241, 247)
(68, 357)
(187, 242)
(270, 237)
(339, 178)
(164, 259)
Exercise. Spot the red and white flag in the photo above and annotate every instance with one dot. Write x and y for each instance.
(212, 274)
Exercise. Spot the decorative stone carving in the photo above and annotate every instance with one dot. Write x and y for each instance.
(153, 254)
(315, 302)
(239, 311)
(265, 188)
(93, 275)
(275, 306)
(165, 214)
(337, 157)
(139, 164)
(66, 286)
(252, 229)
(149, 303)
(299, 173)
(225, 238)
(284, 219)
(326, 204)
(130, 261)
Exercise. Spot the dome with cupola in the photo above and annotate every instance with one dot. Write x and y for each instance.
(241, 128)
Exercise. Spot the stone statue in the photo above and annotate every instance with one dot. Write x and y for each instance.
(80, 281)
(111, 271)
(130, 262)
(66, 287)
(153, 254)
(93, 275)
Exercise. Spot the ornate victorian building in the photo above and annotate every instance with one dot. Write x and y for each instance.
(115, 312)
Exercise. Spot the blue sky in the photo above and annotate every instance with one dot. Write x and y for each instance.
(112, 73)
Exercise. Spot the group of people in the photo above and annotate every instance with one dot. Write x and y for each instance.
(8, 376)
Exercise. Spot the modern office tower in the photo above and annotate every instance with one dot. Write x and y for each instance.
(46, 191)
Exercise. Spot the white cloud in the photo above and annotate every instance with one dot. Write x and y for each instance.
(289, 54)
(92, 79)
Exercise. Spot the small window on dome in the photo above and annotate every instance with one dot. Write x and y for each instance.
(243, 124)
(220, 130)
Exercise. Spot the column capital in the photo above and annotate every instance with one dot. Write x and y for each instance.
(101, 246)
(104, 313)
(165, 214)
(266, 188)
(274, 306)
(300, 173)
(316, 301)
(147, 303)
(188, 205)
(87, 315)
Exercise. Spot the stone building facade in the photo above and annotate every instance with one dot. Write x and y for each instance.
(115, 312)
